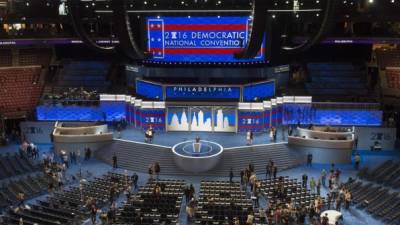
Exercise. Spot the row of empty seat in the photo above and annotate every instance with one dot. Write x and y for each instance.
(221, 202)
(336, 79)
(388, 58)
(21, 89)
(84, 73)
(15, 164)
(388, 174)
(148, 208)
(292, 192)
(69, 206)
(393, 78)
(30, 186)
(5, 58)
(376, 200)
(26, 57)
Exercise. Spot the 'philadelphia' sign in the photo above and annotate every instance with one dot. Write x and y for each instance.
(201, 92)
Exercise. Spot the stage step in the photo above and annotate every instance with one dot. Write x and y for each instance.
(138, 156)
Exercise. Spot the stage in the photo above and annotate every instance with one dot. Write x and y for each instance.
(227, 140)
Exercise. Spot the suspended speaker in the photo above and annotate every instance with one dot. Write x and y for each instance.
(257, 30)
(326, 25)
(127, 43)
(75, 12)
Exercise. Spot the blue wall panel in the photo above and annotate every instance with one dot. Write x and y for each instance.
(108, 111)
(250, 120)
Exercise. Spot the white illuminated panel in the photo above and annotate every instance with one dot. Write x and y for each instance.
(147, 105)
(273, 101)
(119, 97)
(303, 99)
(279, 100)
(138, 102)
(288, 99)
(159, 105)
(107, 97)
(267, 104)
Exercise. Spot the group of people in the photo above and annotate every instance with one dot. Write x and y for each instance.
(72, 96)
(71, 158)
(29, 149)
(54, 171)
(273, 132)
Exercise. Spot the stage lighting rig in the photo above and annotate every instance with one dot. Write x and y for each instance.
(263, 14)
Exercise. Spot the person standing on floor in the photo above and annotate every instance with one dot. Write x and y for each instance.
(305, 180)
(93, 213)
(267, 172)
(157, 169)
(275, 172)
(318, 187)
(312, 185)
(231, 176)
(357, 161)
(309, 159)
(150, 171)
(347, 199)
(135, 179)
(323, 177)
(114, 160)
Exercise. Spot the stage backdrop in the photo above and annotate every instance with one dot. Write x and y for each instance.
(178, 119)
(367, 136)
(201, 118)
(198, 38)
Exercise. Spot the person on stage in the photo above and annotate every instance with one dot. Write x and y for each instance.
(249, 137)
(197, 139)
(149, 134)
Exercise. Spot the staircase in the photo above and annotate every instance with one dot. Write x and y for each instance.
(138, 156)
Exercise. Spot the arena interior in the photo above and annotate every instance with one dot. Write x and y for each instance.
(203, 112)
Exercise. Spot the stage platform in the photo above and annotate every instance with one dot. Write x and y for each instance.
(227, 140)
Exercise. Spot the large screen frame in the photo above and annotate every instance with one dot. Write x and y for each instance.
(162, 98)
(259, 83)
(240, 87)
(252, 62)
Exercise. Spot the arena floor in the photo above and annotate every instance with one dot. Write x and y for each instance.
(351, 217)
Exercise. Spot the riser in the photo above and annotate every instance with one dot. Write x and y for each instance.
(137, 157)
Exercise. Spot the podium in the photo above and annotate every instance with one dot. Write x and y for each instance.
(196, 147)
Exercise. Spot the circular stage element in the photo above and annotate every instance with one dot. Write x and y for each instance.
(197, 157)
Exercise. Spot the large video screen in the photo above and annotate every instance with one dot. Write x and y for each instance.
(149, 90)
(198, 39)
(258, 91)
